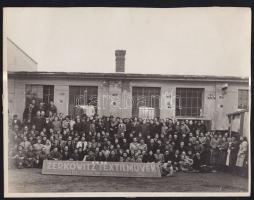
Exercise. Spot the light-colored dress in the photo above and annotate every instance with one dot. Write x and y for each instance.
(242, 153)
(228, 154)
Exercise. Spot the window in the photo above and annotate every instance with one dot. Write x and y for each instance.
(144, 99)
(243, 99)
(82, 95)
(48, 93)
(41, 93)
(189, 102)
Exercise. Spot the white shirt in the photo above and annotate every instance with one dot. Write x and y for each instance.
(80, 144)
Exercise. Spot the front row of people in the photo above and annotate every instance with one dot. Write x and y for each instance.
(169, 164)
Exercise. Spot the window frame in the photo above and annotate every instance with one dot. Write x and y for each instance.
(140, 98)
(36, 87)
(186, 98)
(243, 99)
(80, 94)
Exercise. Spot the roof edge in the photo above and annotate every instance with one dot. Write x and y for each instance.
(22, 50)
(124, 75)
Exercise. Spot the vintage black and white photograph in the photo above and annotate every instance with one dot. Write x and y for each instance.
(126, 101)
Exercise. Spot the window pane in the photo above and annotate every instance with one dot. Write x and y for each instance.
(48, 93)
(188, 112)
(82, 95)
(188, 101)
(177, 112)
(189, 93)
(145, 96)
(34, 92)
(177, 102)
(183, 102)
(199, 102)
(194, 112)
(183, 112)
(191, 101)
(243, 101)
(194, 102)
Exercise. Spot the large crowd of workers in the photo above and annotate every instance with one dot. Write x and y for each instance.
(177, 145)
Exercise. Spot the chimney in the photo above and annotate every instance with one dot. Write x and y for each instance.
(120, 60)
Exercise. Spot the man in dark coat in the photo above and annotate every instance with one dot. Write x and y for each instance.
(144, 128)
(48, 125)
(75, 155)
(16, 122)
(38, 122)
(29, 113)
(30, 157)
(55, 154)
(41, 157)
(112, 157)
(66, 154)
(78, 126)
(52, 108)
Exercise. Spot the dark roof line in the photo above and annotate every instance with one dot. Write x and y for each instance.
(125, 76)
(21, 50)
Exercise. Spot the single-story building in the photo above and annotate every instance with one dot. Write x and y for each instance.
(208, 98)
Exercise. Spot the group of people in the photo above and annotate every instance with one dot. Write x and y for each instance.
(177, 145)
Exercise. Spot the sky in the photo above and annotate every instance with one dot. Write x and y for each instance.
(185, 41)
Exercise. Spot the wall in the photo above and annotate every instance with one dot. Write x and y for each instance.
(120, 92)
(16, 97)
(246, 125)
(11, 94)
(168, 93)
(226, 103)
(18, 60)
(61, 92)
(240, 122)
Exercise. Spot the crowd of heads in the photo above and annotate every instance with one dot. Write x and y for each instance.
(184, 145)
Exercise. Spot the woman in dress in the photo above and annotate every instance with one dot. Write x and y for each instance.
(223, 147)
(242, 155)
(232, 154)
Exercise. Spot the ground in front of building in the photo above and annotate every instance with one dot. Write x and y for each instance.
(31, 180)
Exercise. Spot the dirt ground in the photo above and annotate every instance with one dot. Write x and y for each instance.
(31, 180)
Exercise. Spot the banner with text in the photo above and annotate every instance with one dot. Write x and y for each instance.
(94, 168)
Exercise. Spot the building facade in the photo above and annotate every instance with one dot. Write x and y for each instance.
(208, 98)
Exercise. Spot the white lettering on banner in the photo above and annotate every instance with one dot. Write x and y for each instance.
(79, 166)
(66, 166)
(72, 166)
(111, 168)
(153, 168)
(100, 167)
(88, 168)
(93, 167)
(147, 168)
(84, 166)
(142, 167)
(105, 167)
(54, 166)
(60, 165)
(136, 168)
(130, 168)
(117, 166)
